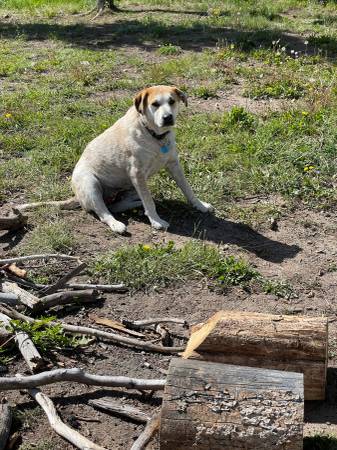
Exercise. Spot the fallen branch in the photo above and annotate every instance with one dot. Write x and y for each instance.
(63, 298)
(69, 204)
(24, 297)
(144, 438)
(13, 222)
(9, 299)
(5, 424)
(26, 347)
(130, 412)
(148, 322)
(78, 376)
(36, 257)
(97, 287)
(114, 325)
(111, 337)
(61, 428)
(63, 281)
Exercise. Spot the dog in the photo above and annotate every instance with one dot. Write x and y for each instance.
(122, 158)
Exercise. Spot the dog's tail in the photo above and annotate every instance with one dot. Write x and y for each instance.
(69, 204)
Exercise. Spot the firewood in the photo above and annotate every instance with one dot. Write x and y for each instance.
(63, 298)
(5, 424)
(26, 347)
(13, 222)
(36, 257)
(119, 409)
(218, 406)
(25, 297)
(78, 376)
(148, 322)
(292, 343)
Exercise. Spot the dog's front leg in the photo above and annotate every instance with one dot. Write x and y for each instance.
(178, 175)
(139, 182)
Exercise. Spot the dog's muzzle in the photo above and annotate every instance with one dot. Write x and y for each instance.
(168, 120)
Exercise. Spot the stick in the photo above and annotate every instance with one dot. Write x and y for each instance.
(61, 428)
(22, 282)
(134, 414)
(148, 322)
(9, 299)
(98, 287)
(5, 424)
(35, 257)
(62, 281)
(112, 337)
(144, 438)
(26, 298)
(69, 204)
(63, 298)
(78, 376)
(26, 347)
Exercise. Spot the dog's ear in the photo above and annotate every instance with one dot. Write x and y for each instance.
(140, 101)
(182, 96)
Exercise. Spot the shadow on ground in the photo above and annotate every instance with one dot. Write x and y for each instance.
(147, 34)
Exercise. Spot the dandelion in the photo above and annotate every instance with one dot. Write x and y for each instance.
(8, 115)
(306, 168)
(146, 247)
(305, 113)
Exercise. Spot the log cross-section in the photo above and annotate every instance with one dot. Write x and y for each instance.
(281, 342)
(218, 406)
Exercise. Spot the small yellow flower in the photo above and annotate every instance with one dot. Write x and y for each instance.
(311, 167)
(306, 168)
(8, 115)
(305, 113)
(146, 247)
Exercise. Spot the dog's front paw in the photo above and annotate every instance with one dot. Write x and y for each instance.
(203, 206)
(117, 227)
(159, 224)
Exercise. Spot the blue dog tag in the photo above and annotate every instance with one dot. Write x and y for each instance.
(164, 149)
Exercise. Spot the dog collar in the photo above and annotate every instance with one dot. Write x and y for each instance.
(157, 136)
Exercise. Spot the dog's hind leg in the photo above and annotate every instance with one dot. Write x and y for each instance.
(129, 201)
(89, 193)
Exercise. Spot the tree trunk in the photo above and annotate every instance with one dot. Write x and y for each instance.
(217, 406)
(295, 344)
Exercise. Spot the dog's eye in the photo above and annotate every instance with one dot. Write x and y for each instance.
(155, 104)
(171, 101)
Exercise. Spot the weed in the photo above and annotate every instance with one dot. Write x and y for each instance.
(282, 289)
(43, 335)
(169, 49)
(238, 117)
(204, 92)
(276, 89)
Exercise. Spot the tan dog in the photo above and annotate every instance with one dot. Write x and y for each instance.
(123, 157)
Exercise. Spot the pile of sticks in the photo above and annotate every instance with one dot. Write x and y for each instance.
(21, 299)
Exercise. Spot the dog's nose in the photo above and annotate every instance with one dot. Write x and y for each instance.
(168, 119)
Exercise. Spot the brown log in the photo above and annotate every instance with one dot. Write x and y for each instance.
(292, 343)
(218, 406)
(13, 222)
(5, 424)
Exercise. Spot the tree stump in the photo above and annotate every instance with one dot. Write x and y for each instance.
(291, 343)
(218, 406)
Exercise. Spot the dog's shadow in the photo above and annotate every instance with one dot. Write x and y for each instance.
(185, 221)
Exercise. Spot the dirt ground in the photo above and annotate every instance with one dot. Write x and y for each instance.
(302, 251)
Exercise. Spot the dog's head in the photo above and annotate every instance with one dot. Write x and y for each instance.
(160, 104)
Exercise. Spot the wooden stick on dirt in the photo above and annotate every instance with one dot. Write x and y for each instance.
(63, 281)
(148, 322)
(97, 287)
(144, 438)
(119, 409)
(5, 424)
(78, 376)
(69, 204)
(60, 427)
(27, 348)
(63, 298)
(26, 298)
(36, 257)
(111, 337)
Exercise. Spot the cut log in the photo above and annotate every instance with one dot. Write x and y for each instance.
(13, 222)
(292, 343)
(218, 406)
(25, 297)
(26, 347)
(5, 424)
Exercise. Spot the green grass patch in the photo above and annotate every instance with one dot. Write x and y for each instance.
(276, 89)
